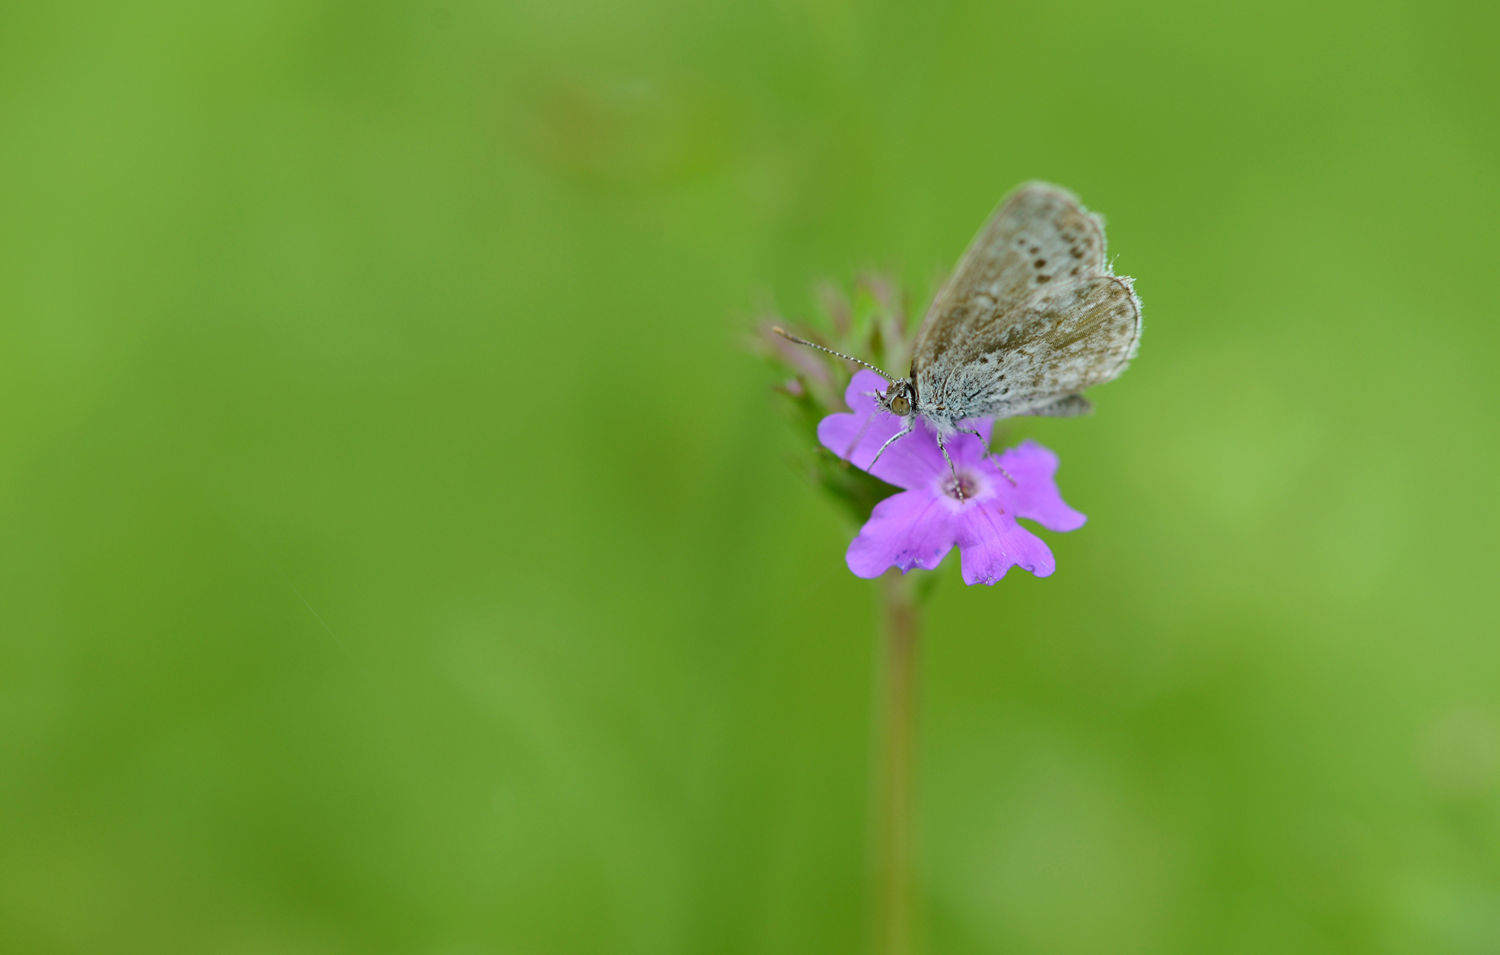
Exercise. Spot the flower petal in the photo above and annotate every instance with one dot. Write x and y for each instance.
(857, 395)
(911, 462)
(1035, 495)
(991, 542)
(910, 529)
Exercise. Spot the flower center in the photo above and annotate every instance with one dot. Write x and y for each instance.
(960, 488)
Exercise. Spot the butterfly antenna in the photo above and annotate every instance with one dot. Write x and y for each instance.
(837, 354)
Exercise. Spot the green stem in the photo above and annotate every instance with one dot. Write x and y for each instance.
(894, 904)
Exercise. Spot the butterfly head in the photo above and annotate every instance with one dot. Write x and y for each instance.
(900, 399)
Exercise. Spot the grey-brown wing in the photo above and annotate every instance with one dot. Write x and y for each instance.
(1060, 342)
(1039, 236)
(1070, 407)
(1064, 341)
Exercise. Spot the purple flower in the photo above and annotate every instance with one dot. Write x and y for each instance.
(918, 527)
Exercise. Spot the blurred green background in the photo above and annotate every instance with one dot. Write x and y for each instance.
(401, 553)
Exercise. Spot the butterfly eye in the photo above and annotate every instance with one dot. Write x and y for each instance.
(900, 406)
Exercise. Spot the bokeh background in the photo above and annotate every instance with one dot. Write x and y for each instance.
(400, 549)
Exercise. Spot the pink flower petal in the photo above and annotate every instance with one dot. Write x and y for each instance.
(991, 542)
(910, 529)
(1035, 495)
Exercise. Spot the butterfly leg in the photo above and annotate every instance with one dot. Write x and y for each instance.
(910, 423)
(957, 484)
(987, 453)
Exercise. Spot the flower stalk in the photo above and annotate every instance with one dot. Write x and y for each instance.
(895, 770)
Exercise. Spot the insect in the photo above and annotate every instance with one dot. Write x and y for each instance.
(1031, 317)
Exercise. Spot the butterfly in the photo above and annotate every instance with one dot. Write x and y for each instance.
(1031, 317)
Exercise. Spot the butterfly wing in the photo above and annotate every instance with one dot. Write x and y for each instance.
(1065, 340)
(1033, 301)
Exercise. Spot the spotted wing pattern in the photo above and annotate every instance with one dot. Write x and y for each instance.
(1031, 315)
